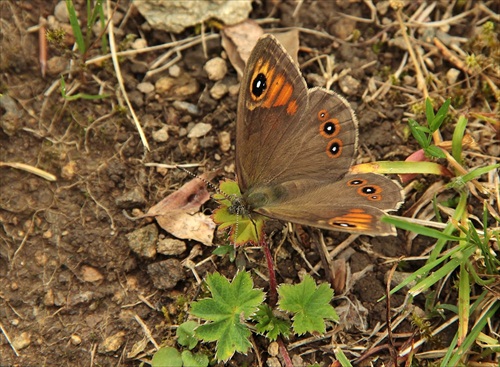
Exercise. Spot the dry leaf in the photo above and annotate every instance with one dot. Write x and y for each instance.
(240, 39)
(178, 213)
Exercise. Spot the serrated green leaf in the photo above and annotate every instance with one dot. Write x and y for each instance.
(243, 228)
(167, 356)
(194, 360)
(270, 325)
(310, 304)
(230, 305)
(185, 334)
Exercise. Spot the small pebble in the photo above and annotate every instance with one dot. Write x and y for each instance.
(273, 349)
(56, 65)
(139, 44)
(48, 298)
(112, 343)
(174, 71)
(316, 80)
(171, 246)
(382, 7)
(218, 90)
(69, 170)
(409, 80)
(131, 199)
(161, 136)
(75, 339)
(145, 87)
(90, 274)
(224, 141)
(21, 341)
(136, 98)
(452, 75)
(190, 108)
(199, 130)
(216, 68)
(234, 89)
(273, 362)
(349, 85)
(177, 88)
(143, 241)
(61, 12)
(166, 274)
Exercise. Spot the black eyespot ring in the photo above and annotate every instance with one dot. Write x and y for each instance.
(259, 85)
(356, 182)
(368, 190)
(334, 148)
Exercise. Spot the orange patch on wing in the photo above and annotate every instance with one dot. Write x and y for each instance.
(284, 96)
(292, 108)
(275, 86)
(356, 218)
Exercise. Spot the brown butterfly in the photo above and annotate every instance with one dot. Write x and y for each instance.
(294, 149)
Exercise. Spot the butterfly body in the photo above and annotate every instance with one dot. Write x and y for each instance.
(294, 149)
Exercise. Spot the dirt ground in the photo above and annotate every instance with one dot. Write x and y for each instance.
(72, 291)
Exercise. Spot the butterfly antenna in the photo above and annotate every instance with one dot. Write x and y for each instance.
(208, 183)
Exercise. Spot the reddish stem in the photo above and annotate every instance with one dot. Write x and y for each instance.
(284, 353)
(273, 288)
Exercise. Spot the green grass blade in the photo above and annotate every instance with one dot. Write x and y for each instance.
(419, 229)
(474, 333)
(442, 272)
(77, 31)
(477, 172)
(341, 357)
(458, 135)
(463, 303)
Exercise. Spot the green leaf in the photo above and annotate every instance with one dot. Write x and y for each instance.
(230, 305)
(434, 151)
(418, 133)
(310, 304)
(225, 250)
(194, 360)
(437, 121)
(167, 356)
(429, 110)
(185, 334)
(243, 228)
(458, 135)
(270, 325)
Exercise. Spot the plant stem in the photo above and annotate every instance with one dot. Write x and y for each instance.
(284, 353)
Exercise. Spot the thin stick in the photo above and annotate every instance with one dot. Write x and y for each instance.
(8, 340)
(146, 331)
(116, 64)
